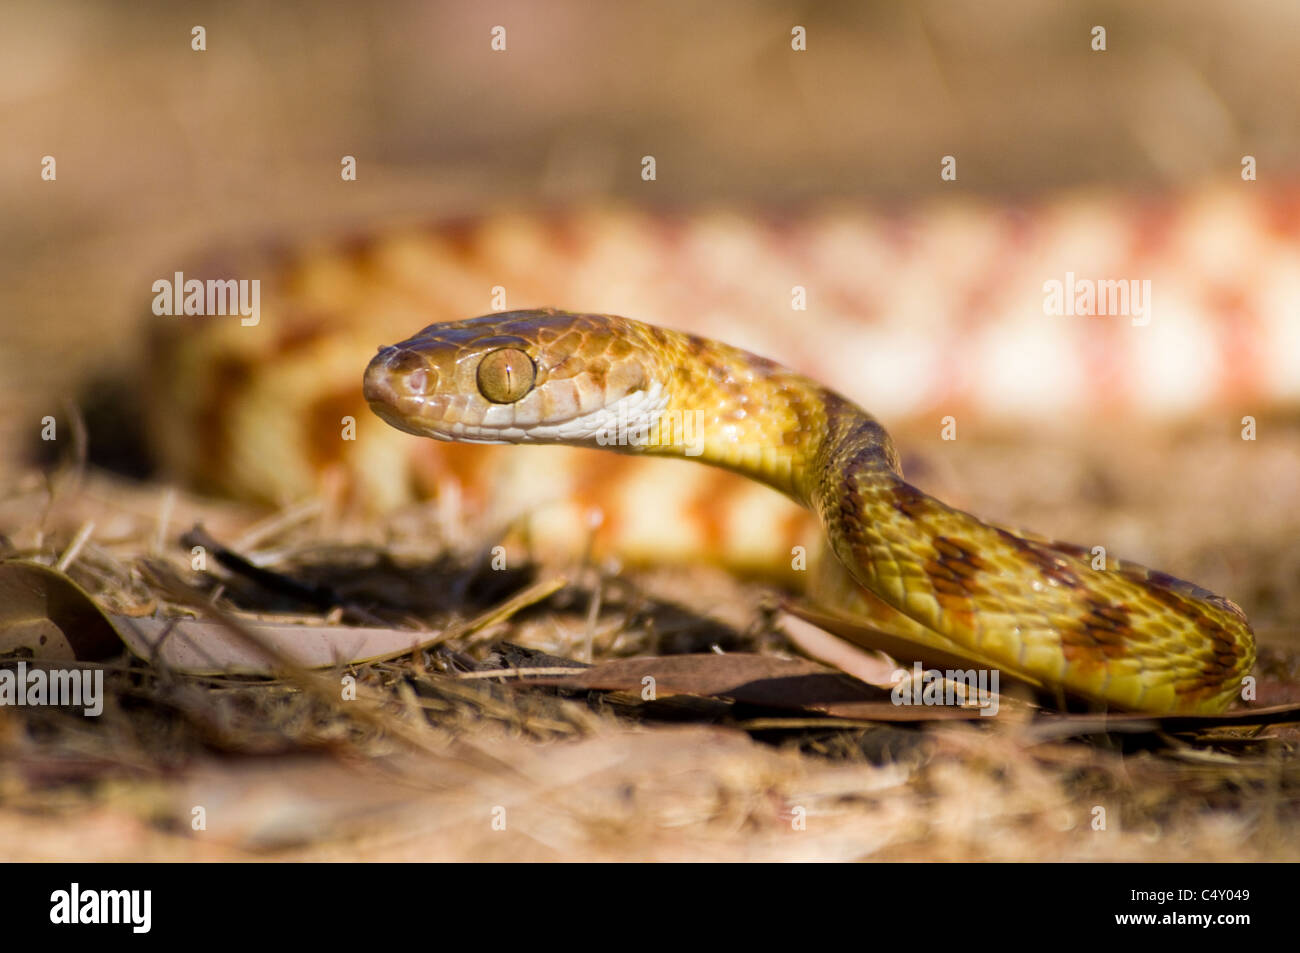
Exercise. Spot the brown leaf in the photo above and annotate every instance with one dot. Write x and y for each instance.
(45, 615)
(766, 681)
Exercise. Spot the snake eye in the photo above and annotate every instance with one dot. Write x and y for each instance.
(505, 375)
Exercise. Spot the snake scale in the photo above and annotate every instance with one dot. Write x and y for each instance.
(1122, 636)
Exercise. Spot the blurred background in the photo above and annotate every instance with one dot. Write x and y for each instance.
(164, 151)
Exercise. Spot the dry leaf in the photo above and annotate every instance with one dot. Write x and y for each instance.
(45, 615)
(206, 647)
(766, 681)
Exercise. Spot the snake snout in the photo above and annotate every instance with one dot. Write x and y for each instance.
(398, 385)
(396, 373)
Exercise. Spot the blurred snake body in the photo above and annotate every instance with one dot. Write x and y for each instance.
(930, 575)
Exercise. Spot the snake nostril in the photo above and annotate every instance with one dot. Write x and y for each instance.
(417, 381)
(408, 370)
(395, 373)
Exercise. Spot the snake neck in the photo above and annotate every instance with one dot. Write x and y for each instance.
(745, 413)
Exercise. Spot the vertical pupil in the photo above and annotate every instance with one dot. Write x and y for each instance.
(505, 375)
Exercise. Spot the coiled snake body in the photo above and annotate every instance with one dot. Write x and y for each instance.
(933, 576)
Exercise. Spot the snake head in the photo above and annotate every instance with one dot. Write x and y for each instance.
(518, 377)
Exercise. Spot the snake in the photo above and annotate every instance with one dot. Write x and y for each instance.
(1119, 636)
